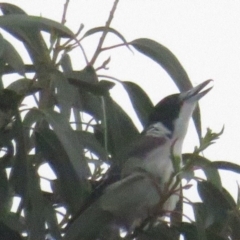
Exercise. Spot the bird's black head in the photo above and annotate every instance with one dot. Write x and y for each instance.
(167, 111)
(176, 110)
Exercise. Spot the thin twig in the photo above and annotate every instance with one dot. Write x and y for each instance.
(65, 12)
(114, 46)
(104, 34)
(63, 21)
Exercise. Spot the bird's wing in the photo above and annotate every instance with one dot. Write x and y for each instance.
(125, 203)
(152, 154)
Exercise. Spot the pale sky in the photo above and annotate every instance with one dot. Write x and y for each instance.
(205, 37)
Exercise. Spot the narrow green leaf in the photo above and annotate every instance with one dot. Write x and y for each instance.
(70, 142)
(29, 36)
(5, 197)
(223, 165)
(66, 63)
(166, 59)
(2, 41)
(90, 142)
(19, 173)
(189, 231)
(200, 213)
(141, 102)
(88, 74)
(218, 203)
(40, 23)
(8, 8)
(14, 221)
(100, 88)
(24, 87)
(9, 100)
(8, 233)
(171, 64)
(12, 57)
(106, 29)
(65, 93)
(34, 210)
(192, 161)
(70, 188)
(51, 219)
(121, 129)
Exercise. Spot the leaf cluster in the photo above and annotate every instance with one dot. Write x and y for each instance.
(74, 127)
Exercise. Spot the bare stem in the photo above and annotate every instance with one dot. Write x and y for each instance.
(63, 21)
(65, 12)
(104, 34)
(114, 46)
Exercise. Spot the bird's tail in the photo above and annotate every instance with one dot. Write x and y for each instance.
(90, 225)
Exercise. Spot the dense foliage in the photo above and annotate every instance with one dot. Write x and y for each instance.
(73, 123)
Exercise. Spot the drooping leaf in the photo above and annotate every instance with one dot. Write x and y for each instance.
(120, 128)
(166, 59)
(65, 93)
(2, 41)
(140, 101)
(173, 67)
(8, 8)
(201, 218)
(24, 87)
(52, 222)
(4, 193)
(101, 88)
(189, 231)
(89, 141)
(224, 165)
(34, 204)
(12, 57)
(217, 202)
(196, 161)
(70, 142)
(88, 74)
(29, 36)
(8, 233)
(9, 100)
(70, 188)
(39, 23)
(19, 173)
(66, 63)
(106, 29)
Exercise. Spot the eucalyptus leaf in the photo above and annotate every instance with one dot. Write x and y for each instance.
(65, 93)
(106, 29)
(173, 67)
(12, 57)
(201, 216)
(194, 161)
(217, 202)
(70, 188)
(121, 131)
(142, 104)
(34, 207)
(24, 87)
(39, 23)
(70, 142)
(66, 63)
(229, 166)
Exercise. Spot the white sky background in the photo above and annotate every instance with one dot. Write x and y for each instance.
(205, 37)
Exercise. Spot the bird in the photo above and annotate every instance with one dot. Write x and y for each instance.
(141, 191)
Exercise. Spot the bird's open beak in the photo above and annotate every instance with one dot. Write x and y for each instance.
(195, 93)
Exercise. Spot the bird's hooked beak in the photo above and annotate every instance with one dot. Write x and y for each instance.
(195, 93)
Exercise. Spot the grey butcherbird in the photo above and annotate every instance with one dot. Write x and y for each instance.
(130, 201)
